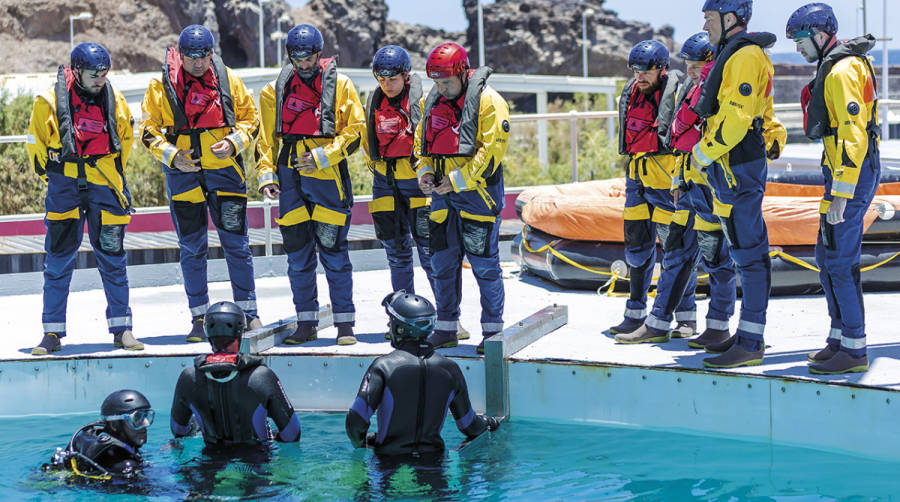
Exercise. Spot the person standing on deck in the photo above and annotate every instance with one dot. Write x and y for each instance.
(197, 120)
(399, 207)
(312, 122)
(840, 107)
(735, 100)
(646, 108)
(460, 142)
(79, 138)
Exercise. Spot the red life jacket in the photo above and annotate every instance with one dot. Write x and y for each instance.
(442, 134)
(301, 111)
(88, 122)
(640, 122)
(686, 127)
(199, 96)
(394, 128)
(805, 98)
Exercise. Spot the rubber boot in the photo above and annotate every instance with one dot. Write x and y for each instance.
(126, 340)
(643, 334)
(718, 348)
(684, 329)
(254, 323)
(710, 337)
(841, 362)
(820, 356)
(345, 334)
(627, 326)
(461, 333)
(304, 333)
(50, 343)
(196, 334)
(735, 357)
(443, 339)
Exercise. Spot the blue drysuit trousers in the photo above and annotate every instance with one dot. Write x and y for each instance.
(65, 229)
(400, 212)
(315, 221)
(738, 185)
(642, 206)
(223, 194)
(838, 249)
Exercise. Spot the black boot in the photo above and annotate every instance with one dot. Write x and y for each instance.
(719, 348)
(345, 334)
(628, 325)
(196, 334)
(50, 343)
(304, 333)
(841, 362)
(710, 337)
(443, 339)
(820, 356)
(480, 348)
(735, 357)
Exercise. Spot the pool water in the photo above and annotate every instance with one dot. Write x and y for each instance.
(524, 460)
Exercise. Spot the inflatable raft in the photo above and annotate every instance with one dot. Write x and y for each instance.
(573, 234)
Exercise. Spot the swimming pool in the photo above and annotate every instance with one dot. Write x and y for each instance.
(524, 460)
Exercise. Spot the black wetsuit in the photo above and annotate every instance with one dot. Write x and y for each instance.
(411, 389)
(95, 451)
(230, 396)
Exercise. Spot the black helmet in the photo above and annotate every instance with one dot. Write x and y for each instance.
(129, 406)
(224, 320)
(412, 316)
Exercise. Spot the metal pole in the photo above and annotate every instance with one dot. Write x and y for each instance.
(610, 123)
(278, 63)
(262, 54)
(885, 125)
(584, 45)
(543, 158)
(865, 30)
(267, 224)
(573, 143)
(71, 34)
(481, 61)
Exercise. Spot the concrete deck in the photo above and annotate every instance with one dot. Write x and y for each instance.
(796, 326)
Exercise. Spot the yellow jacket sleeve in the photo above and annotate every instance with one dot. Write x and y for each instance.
(156, 115)
(41, 128)
(742, 97)
(267, 145)
(491, 143)
(350, 125)
(425, 164)
(848, 110)
(246, 118)
(125, 126)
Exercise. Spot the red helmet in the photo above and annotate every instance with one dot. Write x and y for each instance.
(446, 60)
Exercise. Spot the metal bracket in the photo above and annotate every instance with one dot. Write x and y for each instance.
(498, 348)
(270, 335)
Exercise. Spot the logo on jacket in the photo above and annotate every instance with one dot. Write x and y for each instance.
(96, 126)
(745, 89)
(439, 123)
(298, 105)
(853, 108)
(389, 126)
(199, 99)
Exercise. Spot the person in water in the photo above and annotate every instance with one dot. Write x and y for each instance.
(111, 446)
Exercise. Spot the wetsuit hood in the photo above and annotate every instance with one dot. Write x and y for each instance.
(224, 367)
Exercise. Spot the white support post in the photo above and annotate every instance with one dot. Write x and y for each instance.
(610, 122)
(573, 143)
(543, 157)
(885, 123)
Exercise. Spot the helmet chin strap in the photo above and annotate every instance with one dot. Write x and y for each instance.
(820, 50)
(725, 32)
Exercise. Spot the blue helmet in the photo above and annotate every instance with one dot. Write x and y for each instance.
(89, 56)
(390, 60)
(811, 19)
(697, 48)
(648, 55)
(743, 9)
(196, 41)
(303, 41)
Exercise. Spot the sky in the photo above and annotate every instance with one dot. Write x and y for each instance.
(768, 15)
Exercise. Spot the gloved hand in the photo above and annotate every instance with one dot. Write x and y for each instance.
(370, 440)
(774, 152)
(493, 423)
(835, 213)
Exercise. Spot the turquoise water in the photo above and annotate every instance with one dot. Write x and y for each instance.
(524, 460)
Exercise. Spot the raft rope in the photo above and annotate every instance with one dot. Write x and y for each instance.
(614, 276)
